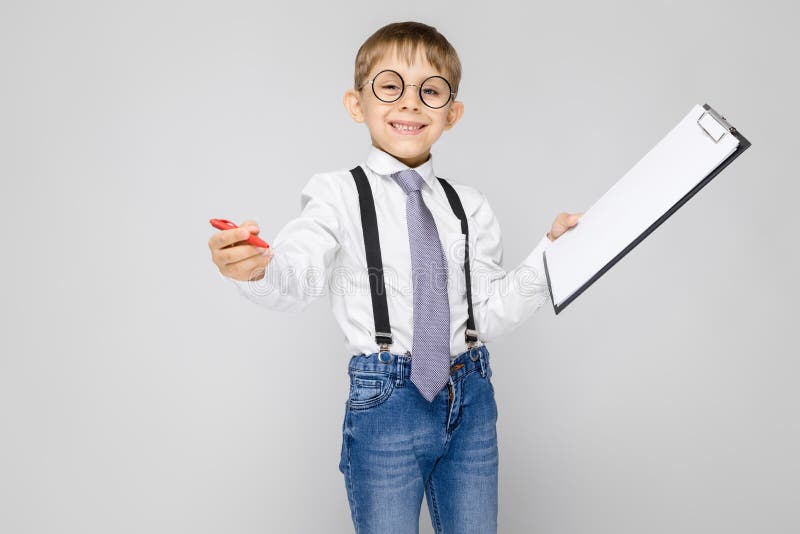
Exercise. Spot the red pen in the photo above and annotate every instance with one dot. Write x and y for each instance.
(224, 224)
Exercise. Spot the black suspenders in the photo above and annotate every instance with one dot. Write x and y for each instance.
(369, 223)
(471, 334)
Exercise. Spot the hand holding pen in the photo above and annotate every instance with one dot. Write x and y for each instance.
(238, 252)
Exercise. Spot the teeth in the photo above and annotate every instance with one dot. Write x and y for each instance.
(404, 127)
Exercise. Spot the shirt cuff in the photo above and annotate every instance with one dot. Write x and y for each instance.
(535, 263)
(244, 287)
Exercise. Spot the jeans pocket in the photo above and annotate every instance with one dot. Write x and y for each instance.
(369, 389)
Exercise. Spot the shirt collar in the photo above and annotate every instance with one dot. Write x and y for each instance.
(385, 164)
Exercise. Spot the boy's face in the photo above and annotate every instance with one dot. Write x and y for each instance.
(410, 147)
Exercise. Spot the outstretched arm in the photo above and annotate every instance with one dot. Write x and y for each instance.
(301, 253)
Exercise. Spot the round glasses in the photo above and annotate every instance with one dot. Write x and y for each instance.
(388, 86)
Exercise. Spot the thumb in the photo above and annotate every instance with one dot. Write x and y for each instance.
(251, 226)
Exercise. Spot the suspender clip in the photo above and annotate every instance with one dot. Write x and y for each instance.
(383, 339)
(472, 337)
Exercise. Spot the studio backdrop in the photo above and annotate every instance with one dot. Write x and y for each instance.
(139, 392)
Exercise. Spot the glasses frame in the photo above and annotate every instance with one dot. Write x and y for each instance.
(404, 85)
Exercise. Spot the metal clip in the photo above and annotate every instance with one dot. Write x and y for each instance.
(711, 124)
(471, 343)
(384, 354)
(384, 346)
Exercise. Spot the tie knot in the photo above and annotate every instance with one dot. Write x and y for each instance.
(409, 179)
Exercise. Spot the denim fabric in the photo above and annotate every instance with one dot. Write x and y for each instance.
(397, 446)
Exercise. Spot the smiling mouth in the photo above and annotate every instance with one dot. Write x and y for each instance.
(407, 129)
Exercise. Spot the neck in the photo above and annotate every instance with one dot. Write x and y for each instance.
(411, 161)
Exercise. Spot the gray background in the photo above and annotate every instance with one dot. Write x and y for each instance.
(140, 393)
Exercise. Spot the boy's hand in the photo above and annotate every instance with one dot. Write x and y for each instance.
(237, 260)
(563, 222)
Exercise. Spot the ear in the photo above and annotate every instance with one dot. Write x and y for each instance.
(352, 103)
(454, 114)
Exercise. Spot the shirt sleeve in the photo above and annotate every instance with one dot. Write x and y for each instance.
(303, 252)
(503, 300)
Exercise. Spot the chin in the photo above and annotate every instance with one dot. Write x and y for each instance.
(410, 153)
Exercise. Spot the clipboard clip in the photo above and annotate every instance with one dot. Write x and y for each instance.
(714, 124)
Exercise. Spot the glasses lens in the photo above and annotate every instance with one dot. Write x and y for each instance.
(388, 86)
(435, 92)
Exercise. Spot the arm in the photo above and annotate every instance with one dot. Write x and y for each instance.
(302, 252)
(503, 300)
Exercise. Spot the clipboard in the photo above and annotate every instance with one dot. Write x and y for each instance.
(696, 150)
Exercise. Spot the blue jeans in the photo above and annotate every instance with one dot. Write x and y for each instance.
(397, 446)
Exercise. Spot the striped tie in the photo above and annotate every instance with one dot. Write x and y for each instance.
(430, 364)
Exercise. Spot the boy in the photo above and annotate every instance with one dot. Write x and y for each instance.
(434, 294)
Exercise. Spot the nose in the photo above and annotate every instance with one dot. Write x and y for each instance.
(410, 98)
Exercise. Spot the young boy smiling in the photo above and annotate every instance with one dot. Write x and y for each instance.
(404, 433)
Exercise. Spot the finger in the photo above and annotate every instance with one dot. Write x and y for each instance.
(567, 220)
(252, 226)
(227, 238)
(243, 269)
(239, 253)
(562, 222)
(248, 271)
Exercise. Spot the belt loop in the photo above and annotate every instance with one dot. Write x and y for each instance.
(401, 363)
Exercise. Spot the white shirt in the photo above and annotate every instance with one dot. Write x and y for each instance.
(322, 252)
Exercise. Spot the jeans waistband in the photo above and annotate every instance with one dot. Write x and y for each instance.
(399, 365)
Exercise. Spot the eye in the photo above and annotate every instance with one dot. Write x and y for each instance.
(390, 87)
(430, 91)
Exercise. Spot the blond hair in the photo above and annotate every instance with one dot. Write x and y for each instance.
(405, 37)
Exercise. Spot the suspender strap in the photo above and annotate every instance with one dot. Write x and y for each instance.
(369, 224)
(471, 334)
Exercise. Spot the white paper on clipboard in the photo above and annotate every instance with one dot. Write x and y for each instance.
(671, 172)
